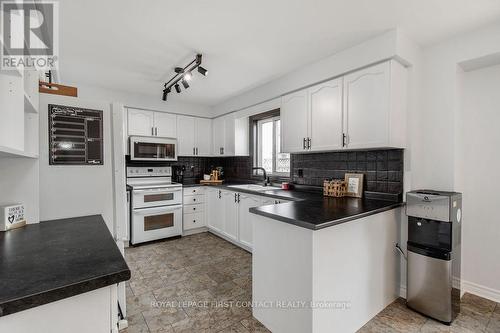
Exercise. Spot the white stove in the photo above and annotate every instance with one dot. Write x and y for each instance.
(156, 204)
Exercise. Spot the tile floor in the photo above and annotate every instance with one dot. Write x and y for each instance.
(201, 283)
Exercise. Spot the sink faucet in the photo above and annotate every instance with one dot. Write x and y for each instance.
(267, 182)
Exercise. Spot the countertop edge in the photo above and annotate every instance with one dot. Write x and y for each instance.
(57, 294)
(323, 225)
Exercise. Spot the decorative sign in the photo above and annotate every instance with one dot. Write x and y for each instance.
(12, 217)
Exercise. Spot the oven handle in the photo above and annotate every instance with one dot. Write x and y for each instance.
(158, 190)
(164, 209)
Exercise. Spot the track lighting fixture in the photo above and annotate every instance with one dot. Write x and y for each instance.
(183, 75)
(202, 71)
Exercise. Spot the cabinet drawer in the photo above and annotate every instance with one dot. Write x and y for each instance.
(193, 199)
(195, 208)
(194, 220)
(194, 191)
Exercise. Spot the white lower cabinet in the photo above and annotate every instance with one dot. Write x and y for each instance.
(215, 210)
(228, 214)
(194, 208)
(230, 199)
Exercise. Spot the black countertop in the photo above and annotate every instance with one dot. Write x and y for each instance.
(52, 260)
(325, 212)
(312, 210)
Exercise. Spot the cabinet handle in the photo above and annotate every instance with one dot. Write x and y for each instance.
(219, 194)
(238, 197)
(156, 131)
(308, 143)
(194, 221)
(194, 199)
(152, 131)
(304, 143)
(235, 200)
(194, 208)
(343, 140)
(222, 150)
(194, 151)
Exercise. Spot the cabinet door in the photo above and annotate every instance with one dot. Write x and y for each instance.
(166, 125)
(367, 107)
(230, 214)
(245, 218)
(140, 122)
(241, 136)
(185, 137)
(203, 136)
(325, 129)
(218, 131)
(215, 209)
(294, 122)
(229, 135)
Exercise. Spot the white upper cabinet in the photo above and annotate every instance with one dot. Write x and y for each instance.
(367, 107)
(140, 122)
(165, 124)
(194, 136)
(325, 116)
(229, 135)
(203, 136)
(224, 136)
(12, 112)
(185, 139)
(294, 122)
(218, 136)
(364, 109)
(241, 136)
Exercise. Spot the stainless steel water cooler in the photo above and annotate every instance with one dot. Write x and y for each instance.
(434, 246)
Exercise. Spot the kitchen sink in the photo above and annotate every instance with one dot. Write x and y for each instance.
(255, 187)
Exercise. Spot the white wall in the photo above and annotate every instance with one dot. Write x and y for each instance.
(19, 184)
(70, 191)
(479, 162)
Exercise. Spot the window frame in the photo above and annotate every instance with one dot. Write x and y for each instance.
(258, 147)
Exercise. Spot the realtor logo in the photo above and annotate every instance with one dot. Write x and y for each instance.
(29, 35)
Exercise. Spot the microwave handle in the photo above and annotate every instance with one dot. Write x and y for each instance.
(148, 211)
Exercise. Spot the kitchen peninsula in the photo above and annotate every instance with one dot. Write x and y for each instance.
(54, 273)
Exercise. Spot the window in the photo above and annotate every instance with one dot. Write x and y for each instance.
(268, 154)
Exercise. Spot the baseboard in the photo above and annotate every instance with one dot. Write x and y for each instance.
(482, 291)
(194, 231)
(468, 287)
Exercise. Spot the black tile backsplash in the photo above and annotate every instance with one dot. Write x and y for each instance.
(383, 169)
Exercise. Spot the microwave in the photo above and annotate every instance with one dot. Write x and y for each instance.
(148, 148)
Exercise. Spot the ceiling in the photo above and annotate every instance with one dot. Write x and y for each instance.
(133, 46)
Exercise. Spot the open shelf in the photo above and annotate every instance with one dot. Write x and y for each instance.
(10, 152)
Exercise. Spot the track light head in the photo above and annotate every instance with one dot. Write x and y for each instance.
(177, 88)
(202, 71)
(188, 76)
(179, 70)
(185, 84)
(165, 93)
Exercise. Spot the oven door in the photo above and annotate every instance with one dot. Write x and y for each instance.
(150, 224)
(154, 197)
(153, 149)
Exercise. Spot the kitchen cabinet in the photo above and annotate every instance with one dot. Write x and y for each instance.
(364, 109)
(140, 122)
(215, 208)
(149, 123)
(203, 136)
(312, 118)
(325, 116)
(194, 137)
(12, 106)
(230, 199)
(165, 124)
(245, 218)
(294, 117)
(230, 136)
(193, 208)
